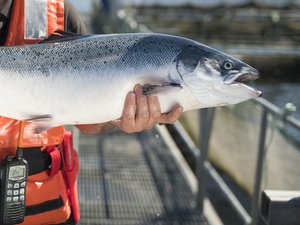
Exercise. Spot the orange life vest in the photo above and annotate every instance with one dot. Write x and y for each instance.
(51, 195)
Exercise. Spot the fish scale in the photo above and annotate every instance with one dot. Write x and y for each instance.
(85, 79)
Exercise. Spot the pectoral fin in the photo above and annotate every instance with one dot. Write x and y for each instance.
(149, 89)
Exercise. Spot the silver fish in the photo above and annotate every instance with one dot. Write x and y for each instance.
(85, 79)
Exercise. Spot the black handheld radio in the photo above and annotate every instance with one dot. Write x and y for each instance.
(14, 173)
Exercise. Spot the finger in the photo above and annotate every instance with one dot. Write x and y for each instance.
(172, 116)
(154, 111)
(127, 122)
(142, 110)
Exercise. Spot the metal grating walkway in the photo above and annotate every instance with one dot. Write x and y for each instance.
(132, 179)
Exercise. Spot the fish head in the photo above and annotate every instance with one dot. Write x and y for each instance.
(215, 78)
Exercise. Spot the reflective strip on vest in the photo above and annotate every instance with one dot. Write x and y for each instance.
(34, 20)
(35, 25)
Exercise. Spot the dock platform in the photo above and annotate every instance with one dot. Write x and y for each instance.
(133, 179)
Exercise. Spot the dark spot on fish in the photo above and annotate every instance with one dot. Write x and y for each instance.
(104, 62)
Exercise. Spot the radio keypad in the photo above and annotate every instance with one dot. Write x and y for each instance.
(16, 192)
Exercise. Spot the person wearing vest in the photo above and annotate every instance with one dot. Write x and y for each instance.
(51, 190)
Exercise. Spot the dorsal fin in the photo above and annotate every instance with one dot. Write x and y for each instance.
(62, 36)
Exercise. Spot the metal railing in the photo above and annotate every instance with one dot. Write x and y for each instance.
(268, 108)
(203, 168)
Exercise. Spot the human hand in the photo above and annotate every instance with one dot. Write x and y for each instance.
(140, 112)
(143, 112)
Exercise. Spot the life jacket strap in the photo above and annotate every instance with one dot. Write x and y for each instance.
(39, 161)
(56, 160)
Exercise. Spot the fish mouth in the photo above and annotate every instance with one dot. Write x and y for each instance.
(245, 75)
(243, 78)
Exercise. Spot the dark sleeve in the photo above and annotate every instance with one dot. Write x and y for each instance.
(5, 11)
(73, 20)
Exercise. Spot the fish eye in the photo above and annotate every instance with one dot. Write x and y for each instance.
(228, 65)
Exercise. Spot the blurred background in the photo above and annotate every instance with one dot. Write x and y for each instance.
(263, 33)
